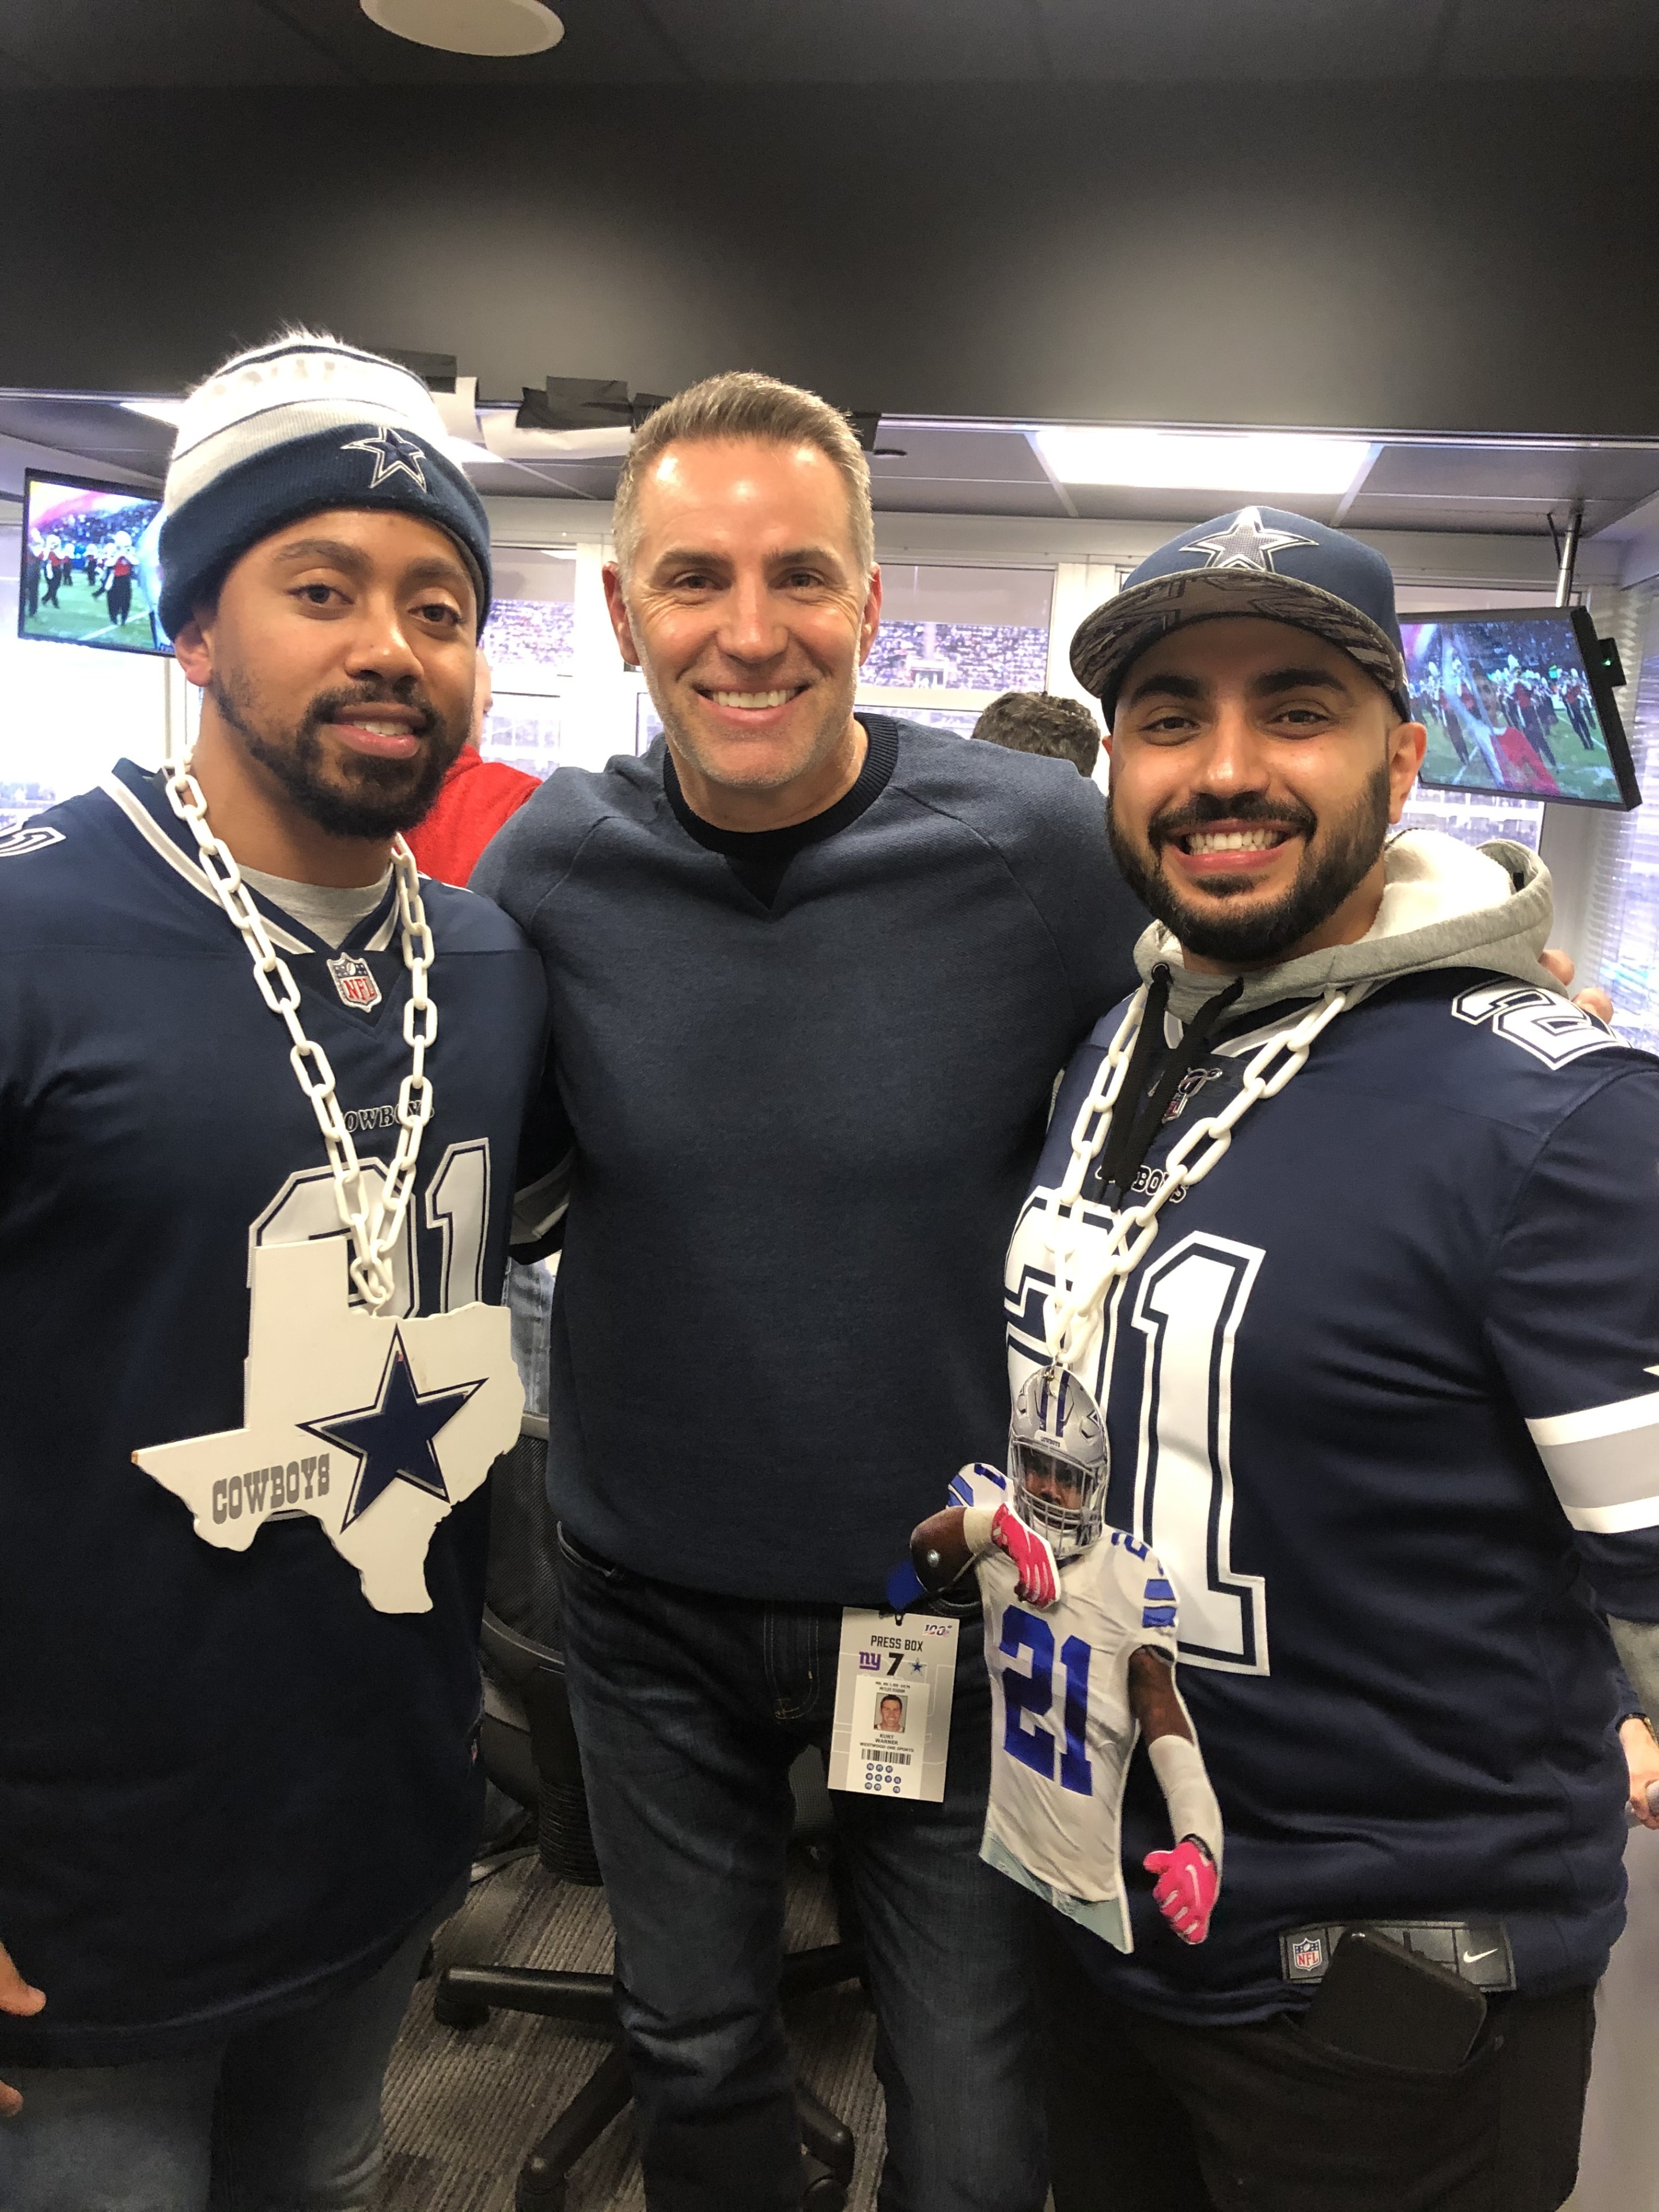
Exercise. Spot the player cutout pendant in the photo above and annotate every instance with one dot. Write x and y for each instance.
(374, 1427)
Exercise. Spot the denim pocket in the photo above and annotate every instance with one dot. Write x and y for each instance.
(577, 1554)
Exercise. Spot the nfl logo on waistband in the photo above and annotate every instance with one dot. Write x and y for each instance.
(1309, 1955)
(354, 982)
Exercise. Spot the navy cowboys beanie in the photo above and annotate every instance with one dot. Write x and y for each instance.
(1256, 561)
(289, 429)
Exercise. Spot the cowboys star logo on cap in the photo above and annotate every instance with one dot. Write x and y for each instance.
(1260, 562)
(394, 455)
(1247, 542)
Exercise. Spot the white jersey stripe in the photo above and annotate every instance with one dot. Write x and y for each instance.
(163, 846)
(1623, 1414)
(1604, 1463)
(1615, 1520)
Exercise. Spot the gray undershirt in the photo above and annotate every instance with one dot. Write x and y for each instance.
(331, 912)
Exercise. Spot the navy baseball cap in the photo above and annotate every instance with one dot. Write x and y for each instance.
(1257, 560)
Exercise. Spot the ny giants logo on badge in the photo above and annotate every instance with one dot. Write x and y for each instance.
(870, 1662)
(354, 982)
(1308, 1954)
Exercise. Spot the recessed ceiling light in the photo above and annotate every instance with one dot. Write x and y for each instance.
(1286, 461)
(470, 27)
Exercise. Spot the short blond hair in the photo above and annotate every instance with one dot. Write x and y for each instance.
(745, 404)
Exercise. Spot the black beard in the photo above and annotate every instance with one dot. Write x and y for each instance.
(1327, 876)
(385, 796)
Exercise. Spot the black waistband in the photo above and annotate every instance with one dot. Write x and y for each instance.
(1477, 1951)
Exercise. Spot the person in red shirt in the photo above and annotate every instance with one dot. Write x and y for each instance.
(476, 796)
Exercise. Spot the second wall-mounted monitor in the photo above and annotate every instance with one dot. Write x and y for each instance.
(1518, 703)
(89, 573)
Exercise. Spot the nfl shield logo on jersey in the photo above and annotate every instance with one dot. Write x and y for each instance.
(354, 982)
(1307, 1955)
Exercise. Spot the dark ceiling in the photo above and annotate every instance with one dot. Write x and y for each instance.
(252, 43)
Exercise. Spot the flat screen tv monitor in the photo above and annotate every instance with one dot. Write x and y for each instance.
(88, 572)
(1518, 703)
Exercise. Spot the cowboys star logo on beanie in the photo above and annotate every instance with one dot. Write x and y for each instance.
(292, 428)
(1257, 560)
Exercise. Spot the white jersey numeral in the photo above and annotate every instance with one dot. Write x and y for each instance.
(457, 1207)
(1188, 1305)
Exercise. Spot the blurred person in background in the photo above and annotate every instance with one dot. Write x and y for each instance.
(476, 796)
(1042, 722)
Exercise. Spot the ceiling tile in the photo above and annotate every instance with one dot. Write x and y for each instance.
(854, 41)
(1542, 37)
(972, 455)
(1227, 40)
(113, 43)
(1551, 473)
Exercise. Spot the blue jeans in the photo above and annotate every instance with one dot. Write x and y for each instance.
(690, 1710)
(283, 2117)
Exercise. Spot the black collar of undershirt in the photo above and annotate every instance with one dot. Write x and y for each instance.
(758, 858)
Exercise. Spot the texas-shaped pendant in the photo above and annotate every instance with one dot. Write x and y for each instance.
(374, 1427)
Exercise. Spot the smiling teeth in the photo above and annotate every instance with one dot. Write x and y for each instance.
(1233, 841)
(380, 729)
(751, 698)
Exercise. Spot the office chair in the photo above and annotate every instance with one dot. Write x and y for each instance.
(528, 1749)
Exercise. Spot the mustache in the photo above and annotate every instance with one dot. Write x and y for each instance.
(1206, 807)
(327, 706)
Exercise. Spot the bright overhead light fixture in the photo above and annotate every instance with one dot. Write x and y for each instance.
(470, 27)
(159, 410)
(1289, 462)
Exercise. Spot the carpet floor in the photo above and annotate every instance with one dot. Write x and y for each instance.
(462, 2108)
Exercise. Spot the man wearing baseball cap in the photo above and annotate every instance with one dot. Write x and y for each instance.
(261, 1094)
(1346, 1218)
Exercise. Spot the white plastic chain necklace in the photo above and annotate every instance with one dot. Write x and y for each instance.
(374, 1216)
(1133, 1228)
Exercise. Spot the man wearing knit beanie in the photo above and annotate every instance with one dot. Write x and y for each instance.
(205, 1946)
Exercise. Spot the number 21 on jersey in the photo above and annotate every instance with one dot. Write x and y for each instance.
(1028, 1698)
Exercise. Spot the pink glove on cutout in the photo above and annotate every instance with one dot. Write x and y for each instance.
(1187, 1887)
(1039, 1577)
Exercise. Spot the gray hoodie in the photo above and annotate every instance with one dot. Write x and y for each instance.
(1446, 905)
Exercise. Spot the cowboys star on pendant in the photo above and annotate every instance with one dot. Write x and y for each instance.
(1246, 543)
(394, 453)
(393, 1438)
(433, 1400)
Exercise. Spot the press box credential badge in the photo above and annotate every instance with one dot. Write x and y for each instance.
(893, 1690)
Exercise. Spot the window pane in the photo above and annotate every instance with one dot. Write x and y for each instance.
(524, 732)
(529, 638)
(976, 630)
(1473, 819)
(1629, 877)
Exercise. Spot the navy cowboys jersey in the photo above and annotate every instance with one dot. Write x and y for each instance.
(1062, 1730)
(1381, 1396)
(226, 1782)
